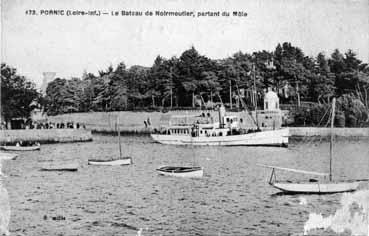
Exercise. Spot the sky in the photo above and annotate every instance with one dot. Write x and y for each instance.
(70, 45)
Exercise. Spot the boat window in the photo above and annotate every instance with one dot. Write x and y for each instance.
(227, 119)
(220, 134)
(241, 120)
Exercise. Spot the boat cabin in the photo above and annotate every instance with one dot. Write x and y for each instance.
(208, 131)
(178, 130)
(231, 122)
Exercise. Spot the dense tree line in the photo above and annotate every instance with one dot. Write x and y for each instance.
(193, 79)
(183, 81)
(18, 95)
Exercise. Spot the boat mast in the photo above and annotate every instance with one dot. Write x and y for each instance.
(331, 142)
(118, 129)
(230, 93)
(255, 98)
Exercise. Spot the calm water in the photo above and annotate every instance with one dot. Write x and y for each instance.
(233, 198)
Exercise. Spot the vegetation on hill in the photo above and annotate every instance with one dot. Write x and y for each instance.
(193, 79)
(18, 95)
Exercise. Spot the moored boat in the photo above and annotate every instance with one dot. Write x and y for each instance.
(121, 161)
(118, 162)
(226, 132)
(181, 171)
(314, 186)
(22, 148)
(317, 187)
(277, 138)
(61, 167)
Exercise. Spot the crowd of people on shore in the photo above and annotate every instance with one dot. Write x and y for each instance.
(48, 125)
(53, 125)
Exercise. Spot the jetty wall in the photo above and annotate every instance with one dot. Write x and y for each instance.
(133, 123)
(45, 135)
(124, 130)
(323, 132)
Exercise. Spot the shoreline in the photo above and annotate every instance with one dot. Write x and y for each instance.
(48, 136)
(295, 132)
(44, 136)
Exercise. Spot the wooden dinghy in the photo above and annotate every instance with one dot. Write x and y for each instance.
(181, 171)
(60, 167)
(21, 148)
(118, 162)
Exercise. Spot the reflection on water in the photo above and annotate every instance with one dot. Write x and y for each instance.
(232, 198)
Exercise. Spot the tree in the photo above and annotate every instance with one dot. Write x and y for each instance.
(18, 95)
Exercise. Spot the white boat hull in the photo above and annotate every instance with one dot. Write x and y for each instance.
(316, 187)
(263, 138)
(21, 148)
(119, 162)
(192, 174)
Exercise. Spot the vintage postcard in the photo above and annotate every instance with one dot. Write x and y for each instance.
(175, 117)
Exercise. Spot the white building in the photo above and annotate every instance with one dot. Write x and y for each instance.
(271, 101)
(271, 116)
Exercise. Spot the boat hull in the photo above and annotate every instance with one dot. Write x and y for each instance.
(263, 138)
(119, 162)
(61, 167)
(189, 174)
(20, 148)
(316, 187)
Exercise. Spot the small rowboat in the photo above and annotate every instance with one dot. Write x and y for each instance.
(181, 171)
(118, 162)
(21, 148)
(60, 167)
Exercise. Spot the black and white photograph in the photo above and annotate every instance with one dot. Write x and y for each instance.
(184, 117)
